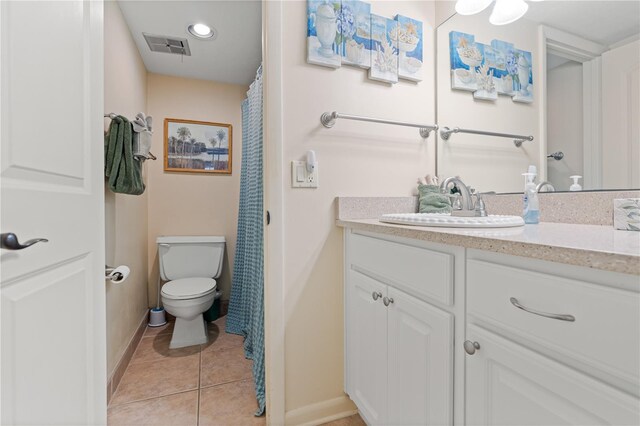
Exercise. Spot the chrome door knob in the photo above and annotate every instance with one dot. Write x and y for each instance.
(387, 301)
(471, 347)
(376, 295)
(9, 241)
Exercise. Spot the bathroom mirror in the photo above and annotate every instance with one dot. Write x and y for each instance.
(581, 103)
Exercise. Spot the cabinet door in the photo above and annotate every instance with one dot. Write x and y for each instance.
(367, 347)
(420, 362)
(508, 384)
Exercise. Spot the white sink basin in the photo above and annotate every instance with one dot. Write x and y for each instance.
(448, 221)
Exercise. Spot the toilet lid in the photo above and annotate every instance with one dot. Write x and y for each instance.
(188, 288)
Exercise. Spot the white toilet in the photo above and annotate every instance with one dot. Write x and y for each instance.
(190, 264)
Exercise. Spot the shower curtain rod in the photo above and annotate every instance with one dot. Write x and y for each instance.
(446, 132)
(328, 119)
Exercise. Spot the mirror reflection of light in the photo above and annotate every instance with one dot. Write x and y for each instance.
(471, 7)
(508, 11)
(504, 11)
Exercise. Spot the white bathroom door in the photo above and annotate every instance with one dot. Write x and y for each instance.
(52, 345)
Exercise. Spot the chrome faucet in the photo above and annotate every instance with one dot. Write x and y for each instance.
(467, 203)
(467, 208)
(548, 185)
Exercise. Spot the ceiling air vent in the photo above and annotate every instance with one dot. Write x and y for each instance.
(165, 44)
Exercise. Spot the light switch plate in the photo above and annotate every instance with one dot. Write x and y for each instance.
(301, 178)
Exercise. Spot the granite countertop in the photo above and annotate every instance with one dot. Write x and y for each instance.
(592, 246)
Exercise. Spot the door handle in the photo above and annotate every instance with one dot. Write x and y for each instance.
(376, 295)
(387, 301)
(9, 241)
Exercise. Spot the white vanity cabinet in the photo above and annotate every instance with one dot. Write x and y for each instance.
(560, 346)
(399, 348)
(442, 335)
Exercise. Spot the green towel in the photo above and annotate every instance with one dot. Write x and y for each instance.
(432, 201)
(122, 169)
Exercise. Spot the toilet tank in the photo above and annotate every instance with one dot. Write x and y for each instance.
(190, 256)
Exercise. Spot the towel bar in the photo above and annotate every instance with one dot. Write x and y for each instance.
(113, 115)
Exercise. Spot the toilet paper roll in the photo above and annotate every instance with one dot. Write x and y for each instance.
(119, 274)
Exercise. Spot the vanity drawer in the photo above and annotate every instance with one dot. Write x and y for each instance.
(423, 273)
(605, 334)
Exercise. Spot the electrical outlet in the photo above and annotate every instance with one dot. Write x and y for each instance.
(301, 177)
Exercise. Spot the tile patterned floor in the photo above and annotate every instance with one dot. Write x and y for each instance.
(354, 420)
(201, 385)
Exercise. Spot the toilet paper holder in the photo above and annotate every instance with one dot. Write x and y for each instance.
(109, 275)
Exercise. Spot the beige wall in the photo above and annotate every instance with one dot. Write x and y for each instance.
(476, 158)
(125, 83)
(355, 158)
(191, 203)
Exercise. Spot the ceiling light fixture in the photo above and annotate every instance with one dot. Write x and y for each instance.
(201, 31)
(508, 11)
(504, 11)
(471, 7)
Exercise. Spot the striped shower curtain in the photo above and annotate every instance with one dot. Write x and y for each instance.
(246, 307)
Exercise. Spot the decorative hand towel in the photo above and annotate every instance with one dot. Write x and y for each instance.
(142, 137)
(122, 169)
(626, 214)
(432, 201)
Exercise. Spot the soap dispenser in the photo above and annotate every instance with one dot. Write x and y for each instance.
(576, 186)
(531, 210)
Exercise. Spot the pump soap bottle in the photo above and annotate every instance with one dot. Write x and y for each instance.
(531, 211)
(576, 185)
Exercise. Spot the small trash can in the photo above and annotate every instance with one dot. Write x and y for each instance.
(213, 313)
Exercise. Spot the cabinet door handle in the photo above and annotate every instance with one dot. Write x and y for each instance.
(561, 317)
(376, 295)
(471, 347)
(387, 301)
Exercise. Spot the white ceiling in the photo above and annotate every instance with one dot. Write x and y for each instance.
(605, 22)
(233, 57)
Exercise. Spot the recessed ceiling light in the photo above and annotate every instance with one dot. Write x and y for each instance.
(201, 31)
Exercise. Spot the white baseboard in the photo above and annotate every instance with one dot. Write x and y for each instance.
(321, 412)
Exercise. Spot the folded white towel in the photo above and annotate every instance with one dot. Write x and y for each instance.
(142, 136)
(140, 123)
(142, 145)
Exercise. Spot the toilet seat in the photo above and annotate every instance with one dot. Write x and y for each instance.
(188, 288)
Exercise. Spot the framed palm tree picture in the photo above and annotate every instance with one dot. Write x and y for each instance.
(197, 146)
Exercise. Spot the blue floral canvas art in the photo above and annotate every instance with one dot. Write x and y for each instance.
(523, 84)
(384, 56)
(354, 26)
(465, 56)
(490, 70)
(409, 42)
(322, 33)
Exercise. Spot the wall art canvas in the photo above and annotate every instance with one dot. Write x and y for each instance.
(322, 33)
(489, 70)
(384, 56)
(409, 41)
(354, 26)
(486, 84)
(197, 146)
(523, 84)
(499, 57)
(465, 56)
